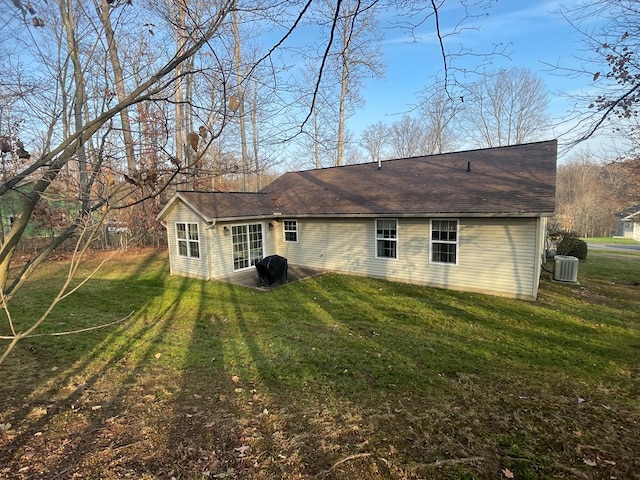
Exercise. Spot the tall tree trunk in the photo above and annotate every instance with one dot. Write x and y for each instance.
(118, 77)
(180, 128)
(80, 96)
(316, 143)
(254, 132)
(243, 134)
(187, 111)
(344, 89)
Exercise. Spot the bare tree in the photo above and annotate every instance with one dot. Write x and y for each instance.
(433, 131)
(505, 108)
(104, 10)
(612, 63)
(84, 143)
(374, 139)
(622, 180)
(588, 196)
(358, 57)
(352, 55)
(318, 139)
(237, 56)
(441, 114)
(407, 137)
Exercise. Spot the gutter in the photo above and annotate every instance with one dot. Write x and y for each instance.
(420, 215)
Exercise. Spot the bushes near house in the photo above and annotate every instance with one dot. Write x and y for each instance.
(568, 243)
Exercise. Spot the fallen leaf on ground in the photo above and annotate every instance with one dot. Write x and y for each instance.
(242, 450)
(226, 474)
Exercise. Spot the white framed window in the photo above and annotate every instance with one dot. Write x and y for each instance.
(444, 241)
(247, 241)
(290, 230)
(188, 240)
(386, 238)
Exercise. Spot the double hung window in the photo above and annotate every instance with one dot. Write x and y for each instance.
(387, 238)
(188, 240)
(444, 241)
(290, 230)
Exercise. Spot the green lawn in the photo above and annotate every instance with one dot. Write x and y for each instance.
(334, 377)
(611, 240)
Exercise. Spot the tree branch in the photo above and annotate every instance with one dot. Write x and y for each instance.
(607, 113)
(73, 332)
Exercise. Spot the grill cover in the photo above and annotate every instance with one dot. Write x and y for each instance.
(272, 270)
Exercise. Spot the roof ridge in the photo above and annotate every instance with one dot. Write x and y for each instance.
(429, 155)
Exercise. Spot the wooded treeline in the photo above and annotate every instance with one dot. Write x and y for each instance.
(109, 106)
(590, 193)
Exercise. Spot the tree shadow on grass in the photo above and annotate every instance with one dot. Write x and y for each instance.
(79, 414)
(350, 382)
(203, 433)
(335, 377)
(295, 427)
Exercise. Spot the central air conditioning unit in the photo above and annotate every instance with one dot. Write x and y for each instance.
(566, 269)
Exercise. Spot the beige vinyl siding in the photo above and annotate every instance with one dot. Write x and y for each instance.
(276, 236)
(270, 237)
(189, 267)
(337, 245)
(497, 256)
(220, 261)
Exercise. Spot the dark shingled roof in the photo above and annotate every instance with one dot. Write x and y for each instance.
(516, 180)
(227, 205)
(503, 181)
(630, 213)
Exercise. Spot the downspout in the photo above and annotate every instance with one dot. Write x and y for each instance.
(541, 232)
(208, 248)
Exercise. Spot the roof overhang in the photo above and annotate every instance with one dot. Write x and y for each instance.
(178, 196)
(419, 215)
(247, 218)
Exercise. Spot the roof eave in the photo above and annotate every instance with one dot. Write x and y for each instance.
(422, 215)
(179, 196)
(261, 216)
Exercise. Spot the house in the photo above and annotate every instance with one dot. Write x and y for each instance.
(473, 221)
(628, 223)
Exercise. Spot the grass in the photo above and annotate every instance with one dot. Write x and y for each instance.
(333, 377)
(611, 240)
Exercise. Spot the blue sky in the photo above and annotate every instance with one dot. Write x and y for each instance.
(533, 32)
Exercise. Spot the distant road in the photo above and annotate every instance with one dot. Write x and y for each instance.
(616, 247)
